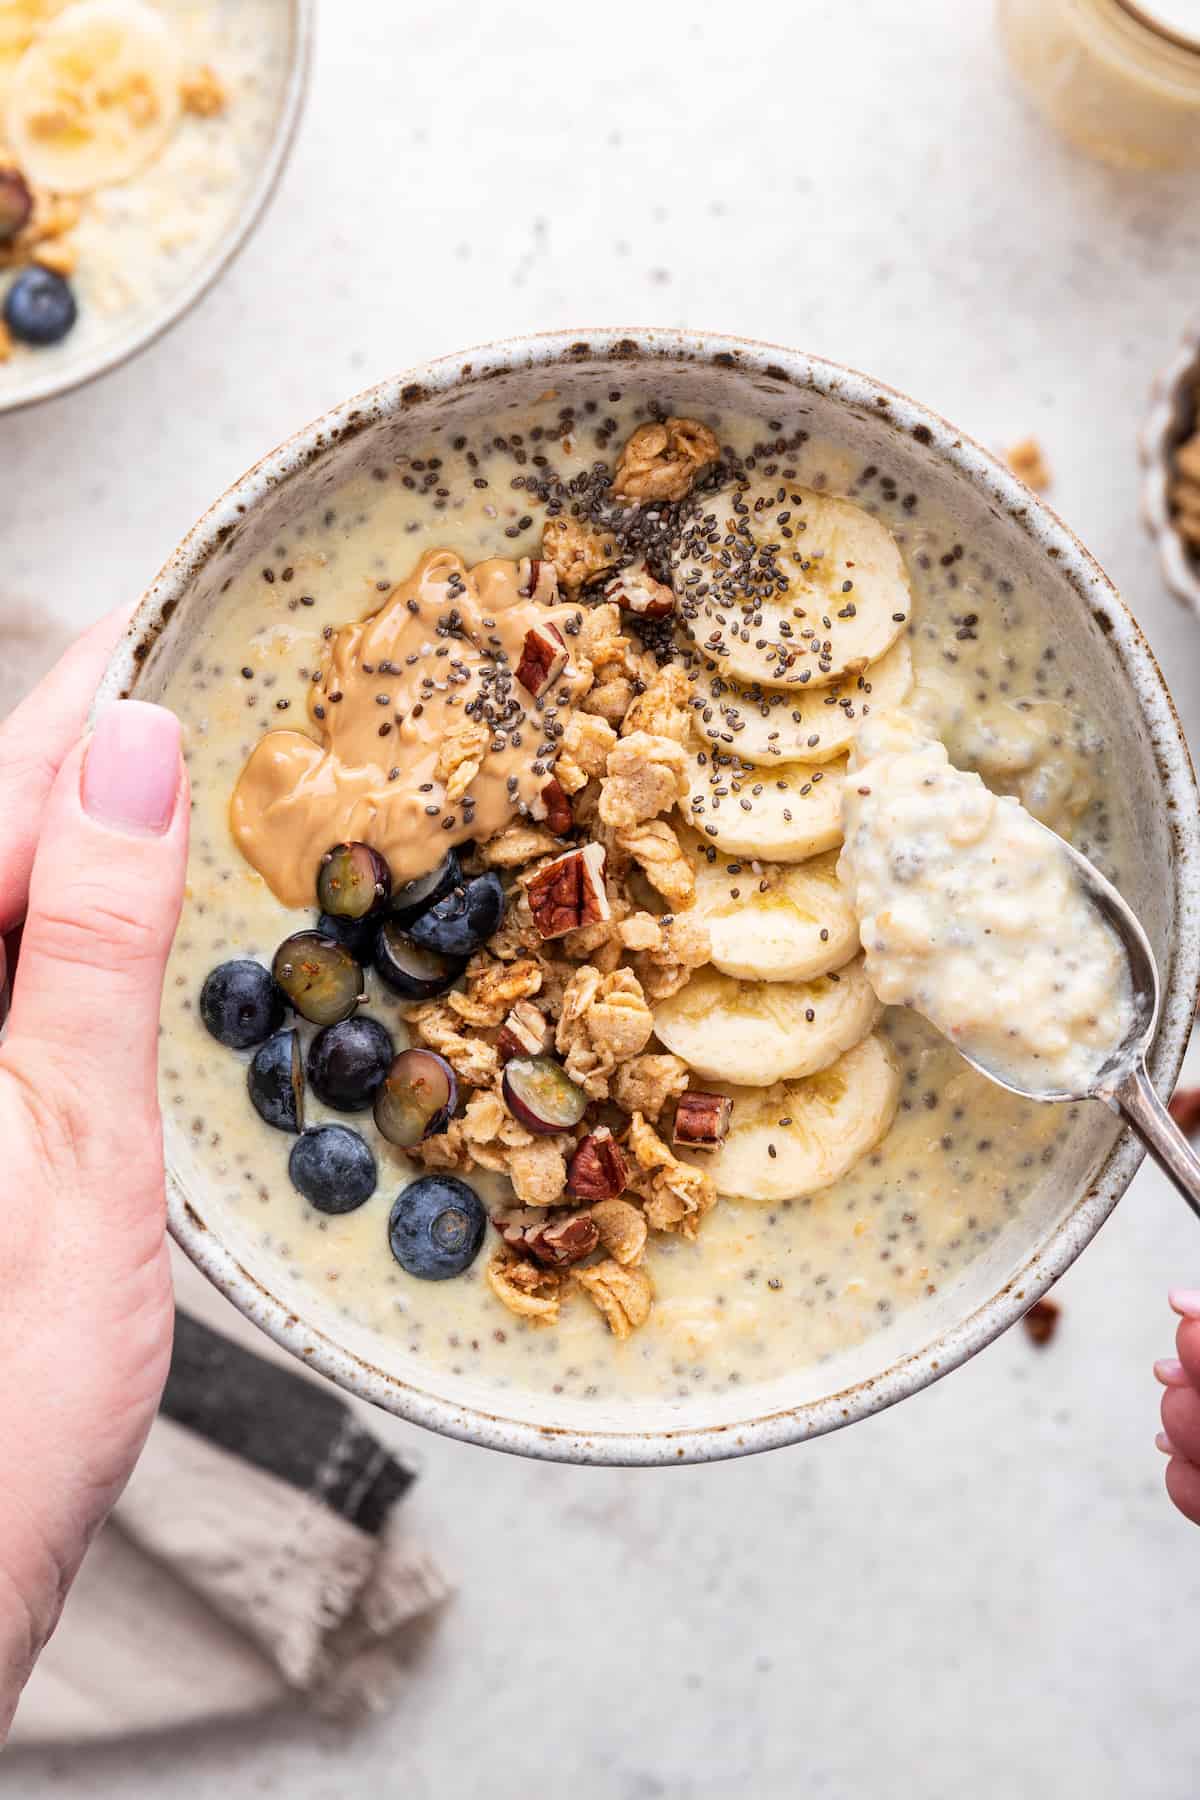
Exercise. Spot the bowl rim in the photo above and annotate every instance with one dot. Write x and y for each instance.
(1047, 1260)
(223, 251)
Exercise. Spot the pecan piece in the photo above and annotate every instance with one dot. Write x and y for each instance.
(543, 657)
(597, 1171)
(525, 1032)
(635, 590)
(16, 203)
(570, 892)
(553, 809)
(537, 579)
(1041, 1321)
(558, 1242)
(701, 1120)
(1184, 1108)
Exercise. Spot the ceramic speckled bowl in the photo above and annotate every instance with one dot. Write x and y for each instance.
(1111, 664)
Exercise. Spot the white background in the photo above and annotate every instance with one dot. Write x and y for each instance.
(983, 1593)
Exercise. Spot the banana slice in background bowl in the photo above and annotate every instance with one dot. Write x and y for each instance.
(797, 589)
(796, 1137)
(749, 1032)
(20, 22)
(773, 921)
(95, 96)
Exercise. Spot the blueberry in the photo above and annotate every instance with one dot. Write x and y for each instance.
(410, 971)
(436, 1227)
(333, 1168)
(241, 1004)
(416, 897)
(540, 1094)
(348, 1061)
(39, 307)
(275, 1079)
(463, 920)
(319, 976)
(353, 880)
(355, 935)
(417, 1098)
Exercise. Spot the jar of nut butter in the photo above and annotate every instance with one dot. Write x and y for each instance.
(1119, 78)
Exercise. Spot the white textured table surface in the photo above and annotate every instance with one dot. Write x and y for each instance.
(983, 1592)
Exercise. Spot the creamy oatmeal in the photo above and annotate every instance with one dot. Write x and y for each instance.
(739, 1162)
(130, 133)
(971, 912)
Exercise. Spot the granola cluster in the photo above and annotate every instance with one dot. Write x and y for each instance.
(596, 929)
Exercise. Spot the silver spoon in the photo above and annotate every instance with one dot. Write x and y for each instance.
(1124, 1083)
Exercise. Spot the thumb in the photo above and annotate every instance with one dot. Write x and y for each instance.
(104, 901)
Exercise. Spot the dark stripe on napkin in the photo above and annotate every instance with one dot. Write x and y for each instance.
(281, 1423)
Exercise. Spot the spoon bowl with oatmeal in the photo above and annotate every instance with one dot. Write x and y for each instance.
(1003, 935)
(525, 1061)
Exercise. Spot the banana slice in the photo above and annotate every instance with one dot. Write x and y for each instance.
(768, 726)
(94, 97)
(781, 815)
(773, 921)
(799, 1136)
(751, 1031)
(20, 22)
(789, 587)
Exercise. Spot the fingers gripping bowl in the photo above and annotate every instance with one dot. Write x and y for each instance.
(796, 1311)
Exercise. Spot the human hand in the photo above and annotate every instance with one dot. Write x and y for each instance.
(1180, 1435)
(93, 843)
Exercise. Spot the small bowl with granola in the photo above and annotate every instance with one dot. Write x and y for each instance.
(139, 142)
(519, 1068)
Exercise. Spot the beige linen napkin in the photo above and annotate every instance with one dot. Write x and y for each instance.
(260, 1549)
(234, 1573)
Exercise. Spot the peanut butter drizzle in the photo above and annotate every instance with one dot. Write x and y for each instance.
(393, 687)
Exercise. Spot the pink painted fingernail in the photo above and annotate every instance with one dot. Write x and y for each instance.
(1162, 1442)
(1171, 1372)
(1185, 1301)
(131, 770)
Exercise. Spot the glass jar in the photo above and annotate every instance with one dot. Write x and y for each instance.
(1118, 79)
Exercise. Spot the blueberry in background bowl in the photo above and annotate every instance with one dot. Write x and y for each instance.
(275, 1080)
(436, 1227)
(348, 1061)
(333, 1168)
(241, 1003)
(39, 307)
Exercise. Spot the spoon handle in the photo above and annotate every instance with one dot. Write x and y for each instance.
(1137, 1101)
